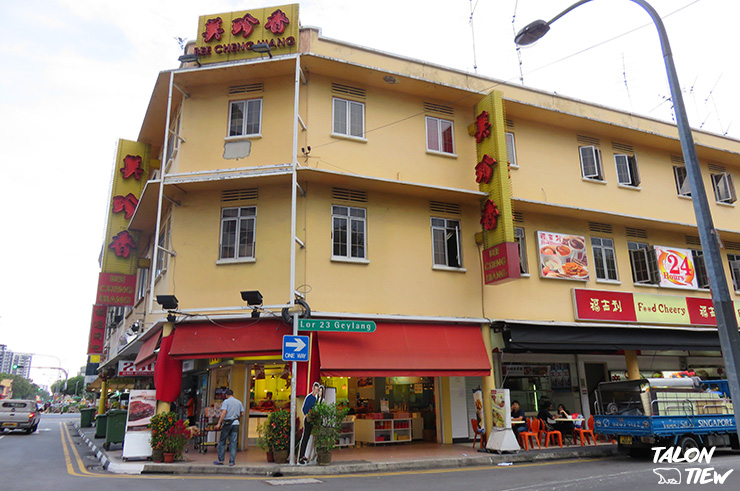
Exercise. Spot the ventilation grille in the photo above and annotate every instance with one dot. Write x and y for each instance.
(518, 217)
(622, 147)
(238, 194)
(677, 160)
(348, 90)
(693, 240)
(349, 195)
(717, 169)
(588, 140)
(600, 228)
(438, 108)
(247, 88)
(509, 124)
(729, 244)
(441, 207)
(636, 233)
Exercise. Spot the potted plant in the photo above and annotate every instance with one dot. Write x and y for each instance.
(160, 425)
(327, 424)
(277, 434)
(262, 442)
(175, 440)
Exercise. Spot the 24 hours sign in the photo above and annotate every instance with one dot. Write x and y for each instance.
(676, 268)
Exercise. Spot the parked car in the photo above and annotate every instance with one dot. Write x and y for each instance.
(17, 414)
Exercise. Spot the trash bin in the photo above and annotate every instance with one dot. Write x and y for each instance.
(116, 427)
(86, 417)
(101, 424)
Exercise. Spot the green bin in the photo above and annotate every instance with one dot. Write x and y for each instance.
(116, 427)
(86, 417)
(101, 424)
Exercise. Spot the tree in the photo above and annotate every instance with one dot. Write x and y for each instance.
(24, 388)
(74, 384)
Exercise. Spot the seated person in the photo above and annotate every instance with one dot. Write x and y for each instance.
(517, 415)
(550, 423)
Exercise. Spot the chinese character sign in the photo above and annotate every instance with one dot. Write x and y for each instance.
(676, 267)
(97, 330)
(231, 36)
(563, 256)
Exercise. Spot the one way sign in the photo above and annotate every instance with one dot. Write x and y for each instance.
(295, 348)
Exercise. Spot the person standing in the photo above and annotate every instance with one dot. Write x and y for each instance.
(308, 404)
(228, 422)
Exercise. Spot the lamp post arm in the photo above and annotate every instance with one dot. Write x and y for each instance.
(574, 6)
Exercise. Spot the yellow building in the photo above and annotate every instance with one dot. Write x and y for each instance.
(343, 180)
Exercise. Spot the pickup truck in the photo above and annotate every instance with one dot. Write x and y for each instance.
(17, 414)
(683, 412)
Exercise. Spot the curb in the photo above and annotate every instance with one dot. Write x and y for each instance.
(101, 456)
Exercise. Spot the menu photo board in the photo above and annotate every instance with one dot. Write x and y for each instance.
(142, 406)
(562, 256)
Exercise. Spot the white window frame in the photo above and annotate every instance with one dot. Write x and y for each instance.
(161, 249)
(626, 166)
(683, 188)
(643, 254)
(591, 167)
(734, 260)
(354, 241)
(724, 188)
(342, 126)
(702, 278)
(441, 126)
(243, 130)
(511, 149)
(142, 283)
(443, 232)
(244, 215)
(521, 243)
(602, 247)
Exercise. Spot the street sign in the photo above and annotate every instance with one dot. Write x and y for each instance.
(295, 348)
(327, 325)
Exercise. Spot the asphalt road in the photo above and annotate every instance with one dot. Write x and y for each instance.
(54, 458)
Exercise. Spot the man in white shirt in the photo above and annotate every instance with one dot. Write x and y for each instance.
(231, 410)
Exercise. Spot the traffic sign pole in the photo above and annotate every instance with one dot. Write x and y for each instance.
(292, 396)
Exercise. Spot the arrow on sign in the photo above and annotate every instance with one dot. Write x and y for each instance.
(297, 345)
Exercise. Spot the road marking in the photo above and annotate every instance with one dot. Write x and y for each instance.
(289, 482)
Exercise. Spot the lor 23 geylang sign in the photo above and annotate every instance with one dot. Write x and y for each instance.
(231, 36)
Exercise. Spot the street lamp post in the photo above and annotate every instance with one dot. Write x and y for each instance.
(723, 307)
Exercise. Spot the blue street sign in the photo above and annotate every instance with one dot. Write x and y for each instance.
(295, 348)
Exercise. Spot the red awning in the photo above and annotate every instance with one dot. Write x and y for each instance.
(413, 350)
(230, 339)
(146, 353)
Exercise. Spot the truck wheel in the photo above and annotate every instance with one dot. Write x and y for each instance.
(687, 442)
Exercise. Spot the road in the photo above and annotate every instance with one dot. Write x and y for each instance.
(55, 458)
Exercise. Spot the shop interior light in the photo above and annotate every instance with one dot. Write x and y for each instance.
(252, 297)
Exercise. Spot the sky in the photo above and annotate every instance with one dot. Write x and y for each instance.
(81, 72)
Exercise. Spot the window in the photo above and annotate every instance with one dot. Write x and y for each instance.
(522, 245)
(627, 174)
(702, 279)
(735, 270)
(511, 149)
(245, 117)
(349, 118)
(682, 183)
(724, 189)
(348, 232)
(644, 264)
(440, 135)
(142, 283)
(446, 242)
(237, 232)
(605, 260)
(591, 163)
(163, 246)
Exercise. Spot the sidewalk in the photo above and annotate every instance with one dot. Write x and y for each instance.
(352, 460)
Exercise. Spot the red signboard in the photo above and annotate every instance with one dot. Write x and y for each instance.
(602, 305)
(701, 311)
(116, 289)
(501, 263)
(97, 330)
(127, 368)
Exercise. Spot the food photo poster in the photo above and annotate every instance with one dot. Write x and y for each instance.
(141, 407)
(563, 256)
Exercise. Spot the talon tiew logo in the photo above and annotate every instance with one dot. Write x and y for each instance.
(687, 475)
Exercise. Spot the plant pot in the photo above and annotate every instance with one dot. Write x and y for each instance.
(270, 456)
(281, 456)
(169, 457)
(157, 455)
(323, 458)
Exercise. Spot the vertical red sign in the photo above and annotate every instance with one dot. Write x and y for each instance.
(97, 330)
